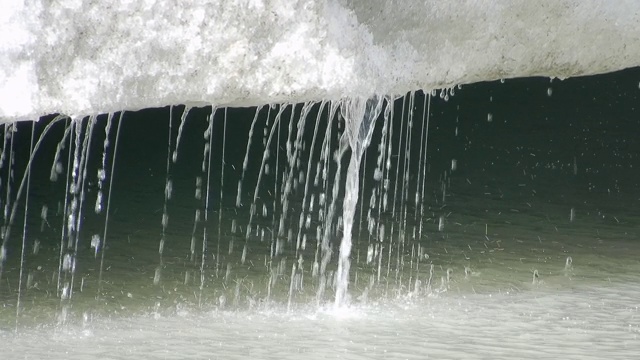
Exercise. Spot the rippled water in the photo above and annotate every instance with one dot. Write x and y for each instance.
(548, 321)
(498, 310)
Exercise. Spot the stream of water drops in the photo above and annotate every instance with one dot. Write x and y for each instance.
(380, 225)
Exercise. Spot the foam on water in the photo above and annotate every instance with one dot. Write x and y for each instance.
(585, 324)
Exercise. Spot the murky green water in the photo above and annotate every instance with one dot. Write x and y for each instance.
(528, 247)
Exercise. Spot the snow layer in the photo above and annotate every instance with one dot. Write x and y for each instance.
(82, 57)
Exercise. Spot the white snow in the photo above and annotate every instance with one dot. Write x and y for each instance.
(82, 57)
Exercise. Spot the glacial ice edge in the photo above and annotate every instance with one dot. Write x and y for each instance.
(85, 57)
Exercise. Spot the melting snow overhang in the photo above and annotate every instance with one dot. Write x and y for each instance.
(81, 57)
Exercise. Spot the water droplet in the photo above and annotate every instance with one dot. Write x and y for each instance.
(65, 295)
(98, 207)
(168, 190)
(370, 254)
(43, 212)
(377, 175)
(68, 263)
(95, 243)
(568, 265)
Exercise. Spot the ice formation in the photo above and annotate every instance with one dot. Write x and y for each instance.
(81, 57)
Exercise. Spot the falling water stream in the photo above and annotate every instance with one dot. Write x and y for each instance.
(497, 220)
(359, 116)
